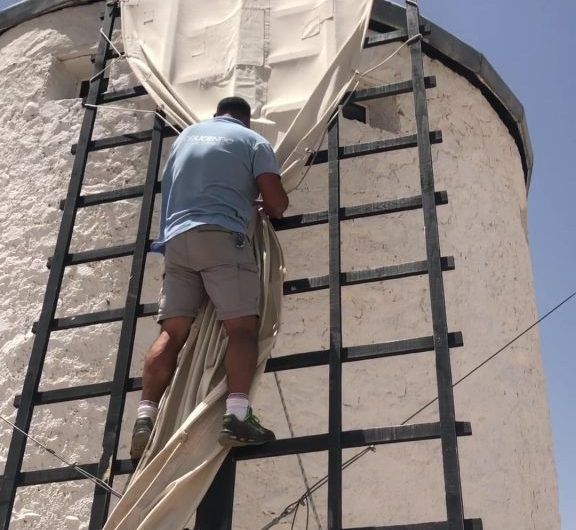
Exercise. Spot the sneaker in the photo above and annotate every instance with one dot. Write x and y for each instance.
(140, 436)
(236, 433)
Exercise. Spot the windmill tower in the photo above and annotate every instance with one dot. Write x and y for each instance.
(482, 171)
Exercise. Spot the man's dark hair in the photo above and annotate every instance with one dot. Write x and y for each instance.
(237, 108)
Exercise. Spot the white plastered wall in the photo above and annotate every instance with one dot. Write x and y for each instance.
(41, 62)
(507, 465)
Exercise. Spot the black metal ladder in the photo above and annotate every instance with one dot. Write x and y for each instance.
(121, 384)
(213, 513)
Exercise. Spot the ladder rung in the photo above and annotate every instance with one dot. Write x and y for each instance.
(320, 158)
(350, 439)
(303, 285)
(383, 91)
(469, 524)
(287, 223)
(65, 474)
(99, 317)
(357, 212)
(124, 139)
(360, 353)
(289, 446)
(113, 54)
(415, 268)
(120, 95)
(351, 111)
(104, 197)
(393, 36)
(110, 55)
(297, 221)
(275, 364)
(371, 148)
(62, 395)
(59, 474)
(77, 258)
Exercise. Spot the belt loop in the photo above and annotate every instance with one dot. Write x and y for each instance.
(240, 239)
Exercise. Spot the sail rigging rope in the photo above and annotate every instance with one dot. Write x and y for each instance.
(120, 55)
(99, 482)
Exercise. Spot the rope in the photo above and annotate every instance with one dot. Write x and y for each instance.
(108, 65)
(407, 42)
(89, 476)
(359, 76)
(488, 359)
(294, 506)
(121, 55)
(298, 456)
(316, 486)
(112, 45)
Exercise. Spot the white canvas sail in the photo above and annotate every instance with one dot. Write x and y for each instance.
(292, 60)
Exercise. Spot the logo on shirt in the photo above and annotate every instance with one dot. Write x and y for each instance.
(207, 139)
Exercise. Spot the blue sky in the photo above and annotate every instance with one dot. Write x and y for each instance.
(531, 44)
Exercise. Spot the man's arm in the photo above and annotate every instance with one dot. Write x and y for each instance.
(274, 197)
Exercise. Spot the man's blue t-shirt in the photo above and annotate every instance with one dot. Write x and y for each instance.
(210, 177)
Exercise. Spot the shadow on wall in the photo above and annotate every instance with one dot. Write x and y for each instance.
(69, 78)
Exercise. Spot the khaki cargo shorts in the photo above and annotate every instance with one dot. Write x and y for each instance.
(209, 261)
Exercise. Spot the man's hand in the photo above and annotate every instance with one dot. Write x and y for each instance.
(260, 204)
(274, 198)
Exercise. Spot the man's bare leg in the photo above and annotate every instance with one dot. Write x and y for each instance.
(159, 366)
(241, 353)
(160, 361)
(240, 426)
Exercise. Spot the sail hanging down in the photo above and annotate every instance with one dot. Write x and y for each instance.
(184, 455)
(292, 60)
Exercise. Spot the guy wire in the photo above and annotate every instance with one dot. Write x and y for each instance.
(294, 505)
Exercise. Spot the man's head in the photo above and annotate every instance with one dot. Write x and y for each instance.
(236, 107)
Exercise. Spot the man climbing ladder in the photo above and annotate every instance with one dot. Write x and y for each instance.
(213, 176)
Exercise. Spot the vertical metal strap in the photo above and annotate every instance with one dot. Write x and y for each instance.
(40, 346)
(452, 483)
(124, 357)
(216, 509)
(335, 364)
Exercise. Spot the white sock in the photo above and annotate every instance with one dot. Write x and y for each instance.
(237, 404)
(148, 409)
